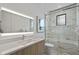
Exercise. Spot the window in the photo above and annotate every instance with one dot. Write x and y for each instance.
(61, 19)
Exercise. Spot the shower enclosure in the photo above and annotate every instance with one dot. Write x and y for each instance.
(62, 30)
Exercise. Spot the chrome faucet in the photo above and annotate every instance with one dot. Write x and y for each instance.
(23, 37)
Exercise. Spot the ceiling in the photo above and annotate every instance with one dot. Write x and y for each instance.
(33, 9)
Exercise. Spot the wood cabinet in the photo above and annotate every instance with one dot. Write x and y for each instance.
(34, 49)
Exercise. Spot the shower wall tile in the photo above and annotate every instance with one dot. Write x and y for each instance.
(64, 34)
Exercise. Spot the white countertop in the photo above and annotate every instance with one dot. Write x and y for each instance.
(14, 35)
(16, 45)
(20, 33)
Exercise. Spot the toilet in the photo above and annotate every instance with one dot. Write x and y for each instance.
(50, 49)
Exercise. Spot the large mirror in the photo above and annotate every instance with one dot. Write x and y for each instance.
(13, 23)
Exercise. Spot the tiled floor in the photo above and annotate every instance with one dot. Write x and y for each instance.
(53, 51)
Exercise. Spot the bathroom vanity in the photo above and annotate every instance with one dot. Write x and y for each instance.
(33, 49)
(16, 34)
(21, 44)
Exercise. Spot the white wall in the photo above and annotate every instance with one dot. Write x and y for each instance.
(14, 23)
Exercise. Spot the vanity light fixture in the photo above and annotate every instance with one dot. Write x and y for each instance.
(17, 13)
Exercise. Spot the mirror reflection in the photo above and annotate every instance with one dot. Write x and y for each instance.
(12, 22)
